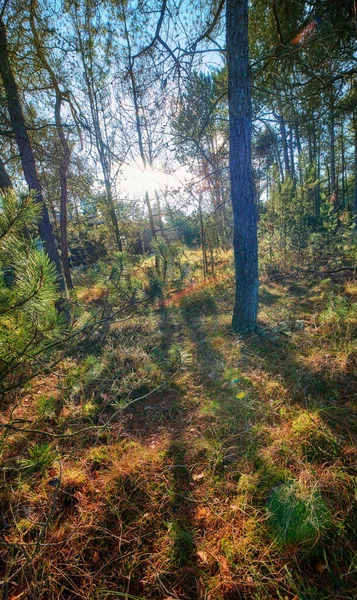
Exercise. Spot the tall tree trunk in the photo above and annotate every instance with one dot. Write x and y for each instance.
(334, 189)
(142, 152)
(203, 240)
(284, 141)
(240, 165)
(5, 181)
(139, 127)
(355, 172)
(292, 158)
(343, 166)
(309, 170)
(159, 214)
(66, 152)
(151, 215)
(299, 149)
(316, 172)
(98, 136)
(26, 153)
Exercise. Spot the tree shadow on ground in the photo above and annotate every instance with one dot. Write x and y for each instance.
(209, 361)
(330, 392)
(268, 298)
(182, 525)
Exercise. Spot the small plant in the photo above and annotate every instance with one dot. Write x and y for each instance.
(40, 458)
(183, 542)
(297, 515)
(46, 406)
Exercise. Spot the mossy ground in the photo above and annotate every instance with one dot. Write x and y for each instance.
(175, 493)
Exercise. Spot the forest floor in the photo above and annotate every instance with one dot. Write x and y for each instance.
(229, 474)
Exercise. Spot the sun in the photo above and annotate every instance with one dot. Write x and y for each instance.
(136, 182)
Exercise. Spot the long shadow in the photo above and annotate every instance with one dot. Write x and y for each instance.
(228, 412)
(182, 525)
(209, 361)
(334, 397)
(331, 394)
(170, 413)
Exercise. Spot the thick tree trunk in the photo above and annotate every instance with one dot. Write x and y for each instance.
(26, 153)
(5, 181)
(240, 164)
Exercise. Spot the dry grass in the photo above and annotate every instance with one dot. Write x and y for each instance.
(171, 500)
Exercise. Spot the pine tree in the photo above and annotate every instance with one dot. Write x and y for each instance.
(28, 288)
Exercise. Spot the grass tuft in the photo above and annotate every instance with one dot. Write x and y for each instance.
(297, 515)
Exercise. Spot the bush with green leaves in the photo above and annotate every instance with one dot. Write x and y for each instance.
(29, 320)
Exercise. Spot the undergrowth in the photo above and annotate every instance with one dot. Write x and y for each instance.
(176, 460)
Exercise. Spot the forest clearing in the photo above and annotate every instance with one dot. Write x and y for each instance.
(178, 300)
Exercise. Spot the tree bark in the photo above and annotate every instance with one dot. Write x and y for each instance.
(292, 159)
(343, 166)
(203, 240)
(5, 181)
(240, 165)
(159, 214)
(284, 141)
(316, 172)
(355, 172)
(26, 153)
(66, 152)
(334, 189)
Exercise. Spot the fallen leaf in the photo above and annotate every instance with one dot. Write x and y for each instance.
(202, 555)
(203, 512)
(320, 568)
(198, 476)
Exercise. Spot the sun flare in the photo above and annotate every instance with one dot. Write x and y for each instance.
(136, 182)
